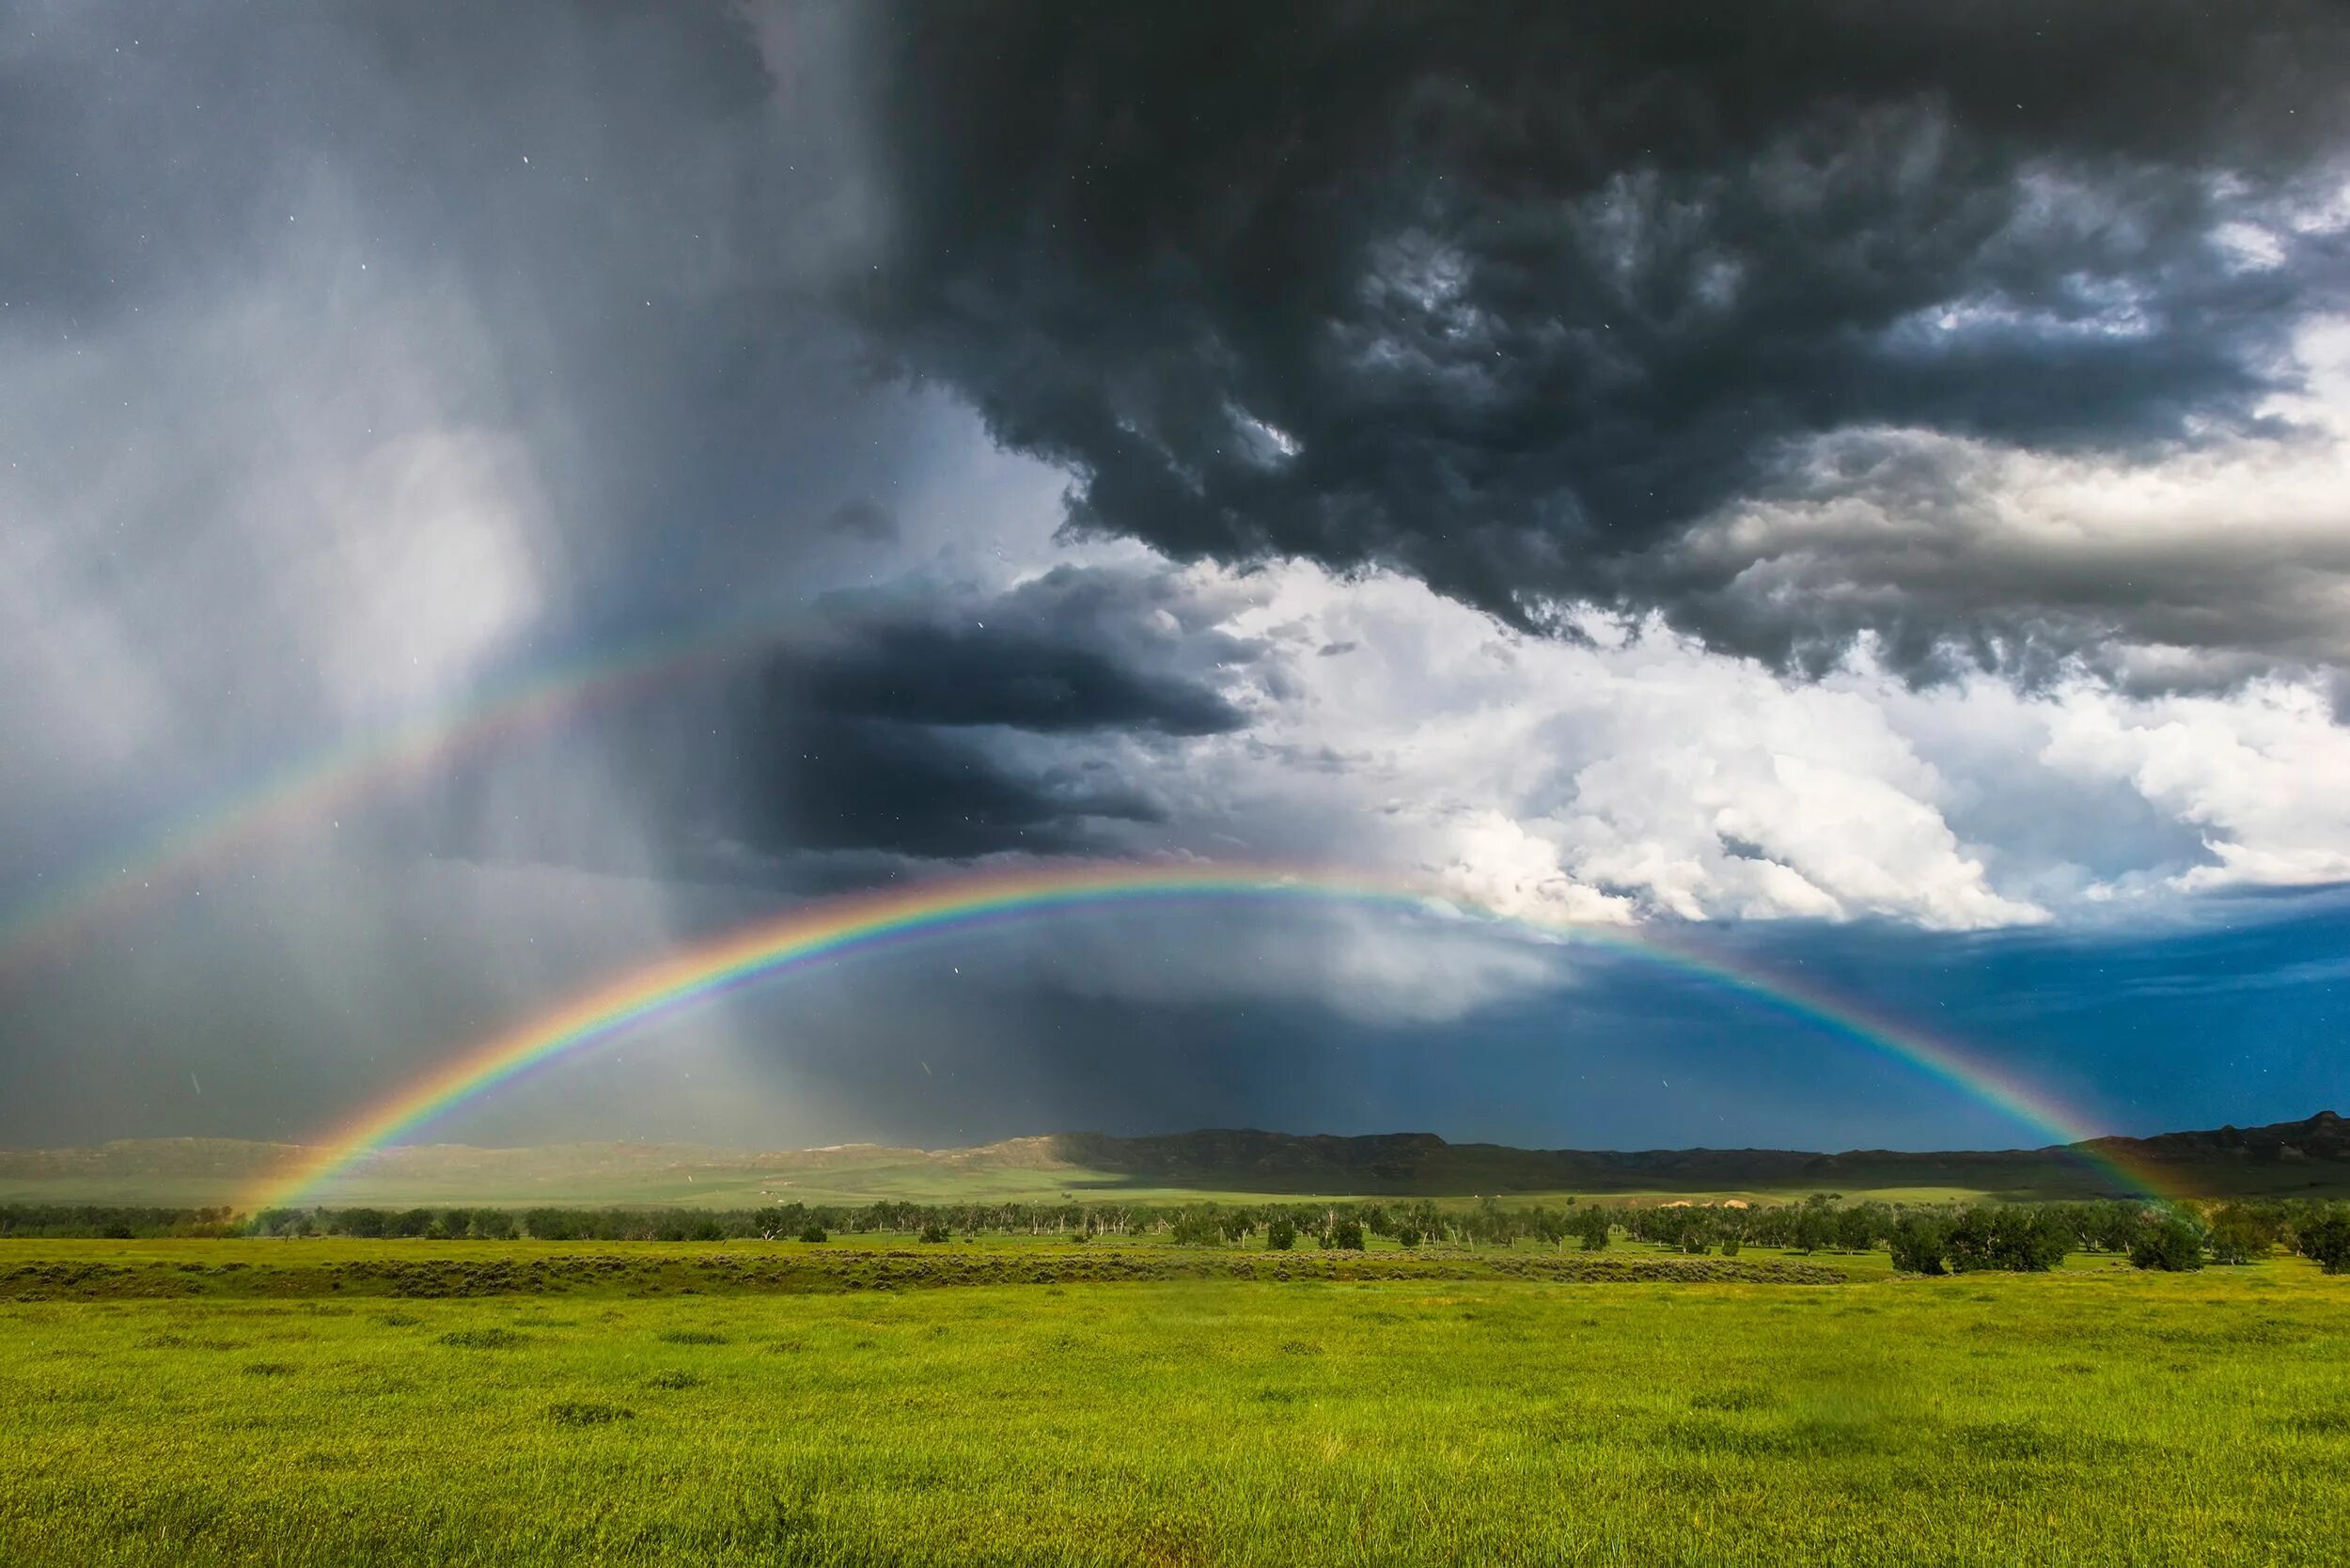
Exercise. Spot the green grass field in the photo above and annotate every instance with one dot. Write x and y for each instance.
(2096, 1415)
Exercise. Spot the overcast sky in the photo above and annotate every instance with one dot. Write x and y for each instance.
(1866, 487)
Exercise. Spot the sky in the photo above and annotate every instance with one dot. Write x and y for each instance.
(1861, 491)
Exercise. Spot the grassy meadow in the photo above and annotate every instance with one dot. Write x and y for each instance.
(643, 1411)
(517, 1179)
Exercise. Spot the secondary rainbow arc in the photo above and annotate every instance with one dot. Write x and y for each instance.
(838, 927)
(316, 785)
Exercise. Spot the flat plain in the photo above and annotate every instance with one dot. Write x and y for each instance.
(660, 1412)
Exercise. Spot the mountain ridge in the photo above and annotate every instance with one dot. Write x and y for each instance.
(2312, 1154)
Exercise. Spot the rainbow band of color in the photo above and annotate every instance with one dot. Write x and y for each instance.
(840, 927)
(315, 787)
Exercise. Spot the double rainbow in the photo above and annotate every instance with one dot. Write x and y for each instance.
(841, 927)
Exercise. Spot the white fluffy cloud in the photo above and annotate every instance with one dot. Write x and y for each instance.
(2264, 777)
(1638, 775)
(1625, 777)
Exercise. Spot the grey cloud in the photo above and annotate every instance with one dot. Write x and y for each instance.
(1071, 651)
(887, 730)
(1951, 555)
(863, 517)
(891, 731)
(1513, 302)
(954, 676)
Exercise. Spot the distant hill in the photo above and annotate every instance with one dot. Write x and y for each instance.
(2283, 1157)
(2310, 1157)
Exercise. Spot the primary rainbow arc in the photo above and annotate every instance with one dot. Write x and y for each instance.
(838, 927)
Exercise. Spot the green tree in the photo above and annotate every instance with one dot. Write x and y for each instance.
(2010, 1237)
(1280, 1233)
(1197, 1228)
(1920, 1244)
(2239, 1235)
(2326, 1239)
(2170, 1241)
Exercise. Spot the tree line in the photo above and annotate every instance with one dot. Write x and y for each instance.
(1922, 1238)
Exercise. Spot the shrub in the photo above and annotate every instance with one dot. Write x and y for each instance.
(934, 1232)
(1408, 1236)
(814, 1233)
(2170, 1241)
(1345, 1236)
(1592, 1228)
(1280, 1233)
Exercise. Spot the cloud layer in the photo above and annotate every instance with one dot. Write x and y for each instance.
(1515, 307)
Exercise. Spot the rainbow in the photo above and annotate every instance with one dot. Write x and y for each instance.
(838, 928)
(313, 788)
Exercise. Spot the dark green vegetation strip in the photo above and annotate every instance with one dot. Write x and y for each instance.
(2111, 1416)
(547, 1271)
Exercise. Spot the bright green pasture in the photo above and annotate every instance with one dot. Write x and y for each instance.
(2094, 1415)
(259, 1252)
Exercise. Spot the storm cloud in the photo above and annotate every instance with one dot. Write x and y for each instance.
(882, 729)
(916, 736)
(1516, 303)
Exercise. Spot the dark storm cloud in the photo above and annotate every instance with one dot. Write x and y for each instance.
(1512, 297)
(889, 732)
(887, 728)
(937, 675)
(829, 784)
(1035, 659)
